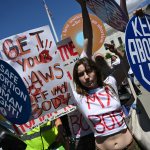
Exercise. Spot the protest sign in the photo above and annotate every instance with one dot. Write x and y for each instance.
(110, 12)
(32, 54)
(137, 44)
(69, 56)
(14, 98)
(74, 28)
(78, 125)
(24, 128)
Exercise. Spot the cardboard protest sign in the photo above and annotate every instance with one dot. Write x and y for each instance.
(69, 56)
(78, 125)
(24, 128)
(33, 56)
(73, 28)
(110, 12)
(137, 44)
(14, 98)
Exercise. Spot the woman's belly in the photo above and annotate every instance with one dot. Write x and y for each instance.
(116, 141)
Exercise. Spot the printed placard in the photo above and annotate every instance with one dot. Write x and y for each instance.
(110, 12)
(137, 44)
(74, 28)
(14, 98)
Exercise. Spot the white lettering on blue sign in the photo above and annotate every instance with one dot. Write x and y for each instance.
(142, 25)
(138, 48)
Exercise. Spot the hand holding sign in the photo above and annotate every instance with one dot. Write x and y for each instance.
(139, 13)
(110, 12)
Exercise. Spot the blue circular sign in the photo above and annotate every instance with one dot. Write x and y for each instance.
(15, 103)
(137, 42)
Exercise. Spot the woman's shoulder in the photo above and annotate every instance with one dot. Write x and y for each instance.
(111, 81)
(77, 96)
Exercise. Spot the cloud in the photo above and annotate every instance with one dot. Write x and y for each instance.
(131, 4)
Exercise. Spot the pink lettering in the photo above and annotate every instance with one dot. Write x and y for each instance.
(93, 99)
(65, 49)
(112, 120)
(77, 124)
(98, 123)
(106, 121)
(115, 117)
(74, 121)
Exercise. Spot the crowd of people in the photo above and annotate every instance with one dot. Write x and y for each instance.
(98, 105)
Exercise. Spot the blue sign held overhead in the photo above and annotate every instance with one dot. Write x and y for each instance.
(15, 103)
(110, 12)
(137, 42)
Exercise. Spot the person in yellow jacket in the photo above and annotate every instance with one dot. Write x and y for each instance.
(46, 137)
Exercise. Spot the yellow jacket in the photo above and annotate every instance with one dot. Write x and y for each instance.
(41, 137)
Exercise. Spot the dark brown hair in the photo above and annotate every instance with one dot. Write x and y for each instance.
(103, 66)
(88, 63)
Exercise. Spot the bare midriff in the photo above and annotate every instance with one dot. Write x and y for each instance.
(116, 141)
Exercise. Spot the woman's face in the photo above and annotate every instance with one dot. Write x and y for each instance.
(87, 77)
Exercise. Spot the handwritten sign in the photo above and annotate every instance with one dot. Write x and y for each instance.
(137, 39)
(78, 125)
(68, 52)
(32, 54)
(69, 56)
(24, 128)
(14, 98)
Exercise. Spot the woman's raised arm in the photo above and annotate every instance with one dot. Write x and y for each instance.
(87, 29)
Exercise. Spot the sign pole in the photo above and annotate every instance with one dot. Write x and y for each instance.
(50, 20)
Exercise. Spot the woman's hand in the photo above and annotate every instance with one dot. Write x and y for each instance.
(111, 47)
(139, 12)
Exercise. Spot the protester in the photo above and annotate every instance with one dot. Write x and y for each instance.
(125, 96)
(82, 136)
(47, 136)
(99, 102)
(115, 61)
(101, 107)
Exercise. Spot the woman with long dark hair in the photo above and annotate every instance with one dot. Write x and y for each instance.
(99, 103)
(97, 100)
